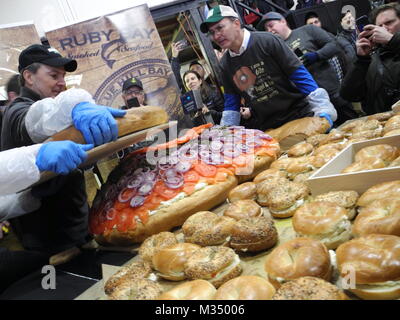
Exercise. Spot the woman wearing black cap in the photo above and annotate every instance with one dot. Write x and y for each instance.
(42, 109)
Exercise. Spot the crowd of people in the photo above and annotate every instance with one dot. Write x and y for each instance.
(328, 58)
(269, 77)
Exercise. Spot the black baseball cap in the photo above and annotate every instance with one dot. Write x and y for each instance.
(46, 55)
(272, 15)
(194, 63)
(132, 82)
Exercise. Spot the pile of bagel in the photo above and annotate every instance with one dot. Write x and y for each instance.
(345, 245)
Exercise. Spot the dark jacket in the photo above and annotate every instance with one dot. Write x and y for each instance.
(347, 42)
(214, 101)
(62, 220)
(375, 79)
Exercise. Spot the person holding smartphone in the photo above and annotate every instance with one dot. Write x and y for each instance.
(374, 75)
(133, 94)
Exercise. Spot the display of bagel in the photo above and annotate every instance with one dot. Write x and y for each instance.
(157, 188)
(342, 245)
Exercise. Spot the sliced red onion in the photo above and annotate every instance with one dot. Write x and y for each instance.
(216, 145)
(215, 159)
(167, 161)
(173, 179)
(205, 153)
(137, 201)
(111, 214)
(227, 139)
(124, 198)
(108, 205)
(253, 143)
(145, 189)
(183, 166)
(175, 185)
(243, 147)
(230, 151)
(150, 176)
(188, 154)
(135, 182)
(169, 173)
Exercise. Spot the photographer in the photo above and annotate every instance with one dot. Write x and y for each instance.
(374, 76)
(133, 94)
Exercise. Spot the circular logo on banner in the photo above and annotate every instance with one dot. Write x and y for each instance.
(158, 82)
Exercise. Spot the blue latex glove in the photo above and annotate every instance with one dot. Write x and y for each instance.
(61, 156)
(309, 58)
(96, 123)
(327, 117)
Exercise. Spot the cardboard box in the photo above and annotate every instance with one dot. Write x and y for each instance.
(329, 177)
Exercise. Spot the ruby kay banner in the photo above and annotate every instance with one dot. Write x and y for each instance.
(14, 39)
(115, 47)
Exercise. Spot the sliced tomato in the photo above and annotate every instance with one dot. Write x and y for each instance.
(121, 205)
(165, 192)
(153, 201)
(124, 220)
(191, 176)
(205, 170)
(221, 176)
(241, 160)
(189, 187)
(143, 215)
(230, 170)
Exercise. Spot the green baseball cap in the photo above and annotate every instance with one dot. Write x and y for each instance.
(216, 14)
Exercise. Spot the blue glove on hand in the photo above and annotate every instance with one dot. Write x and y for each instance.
(309, 58)
(96, 123)
(61, 156)
(327, 117)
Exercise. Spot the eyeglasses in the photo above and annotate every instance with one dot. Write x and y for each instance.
(133, 92)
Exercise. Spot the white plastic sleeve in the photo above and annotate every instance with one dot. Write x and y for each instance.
(230, 118)
(18, 169)
(17, 204)
(51, 115)
(320, 103)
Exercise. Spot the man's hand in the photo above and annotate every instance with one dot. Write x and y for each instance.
(245, 113)
(205, 109)
(376, 34)
(364, 46)
(4, 226)
(96, 123)
(61, 156)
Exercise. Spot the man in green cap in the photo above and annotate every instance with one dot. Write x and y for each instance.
(262, 69)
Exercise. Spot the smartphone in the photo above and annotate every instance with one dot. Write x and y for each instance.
(361, 22)
(298, 52)
(133, 103)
